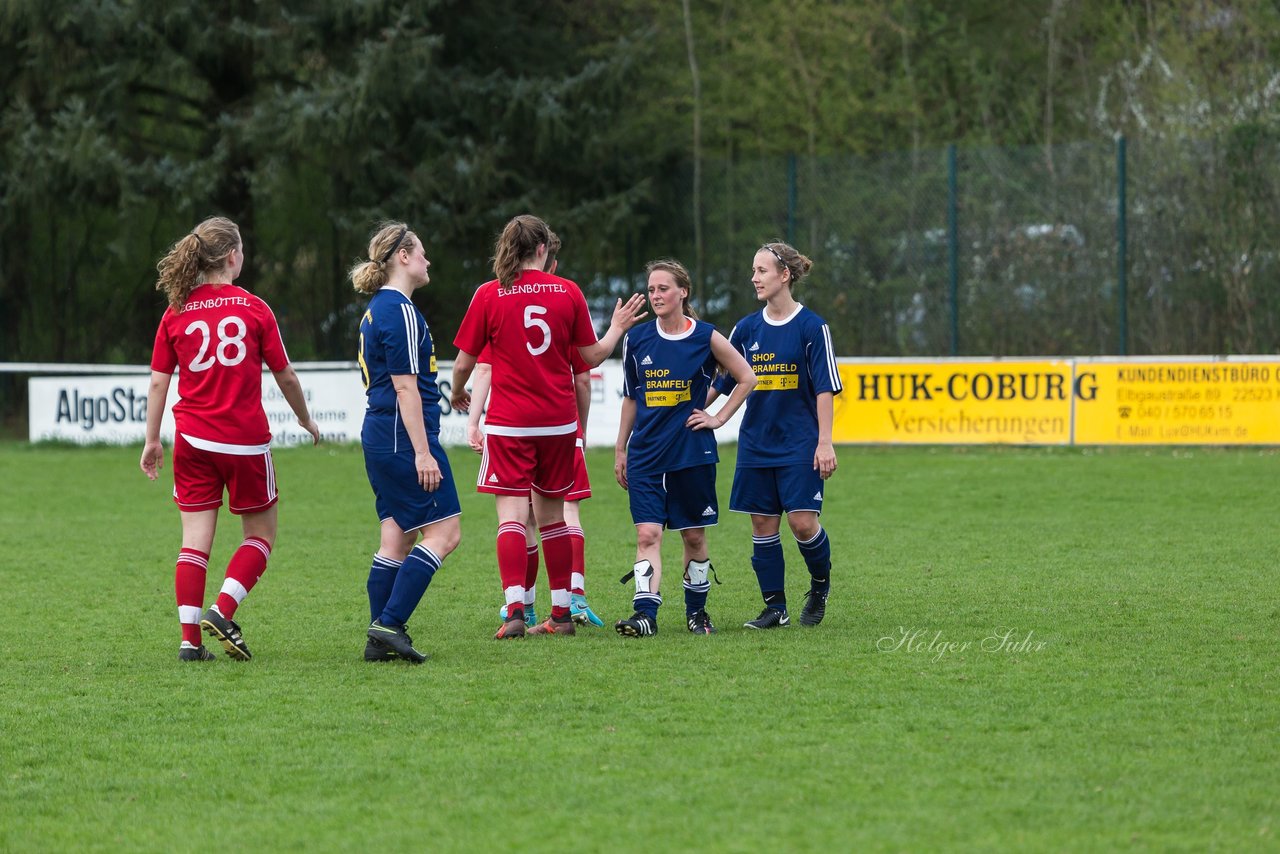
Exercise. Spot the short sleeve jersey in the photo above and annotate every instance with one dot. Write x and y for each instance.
(794, 362)
(530, 329)
(395, 340)
(576, 362)
(218, 344)
(668, 377)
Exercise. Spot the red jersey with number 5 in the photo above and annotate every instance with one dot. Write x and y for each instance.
(530, 328)
(219, 343)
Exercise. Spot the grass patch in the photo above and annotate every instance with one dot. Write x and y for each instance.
(1133, 704)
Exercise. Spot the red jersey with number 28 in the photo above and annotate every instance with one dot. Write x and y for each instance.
(530, 328)
(219, 343)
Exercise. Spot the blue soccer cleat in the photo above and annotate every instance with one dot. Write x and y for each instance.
(530, 617)
(581, 612)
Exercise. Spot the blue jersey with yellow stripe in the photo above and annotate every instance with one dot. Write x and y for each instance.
(395, 340)
(668, 377)
(794, 362)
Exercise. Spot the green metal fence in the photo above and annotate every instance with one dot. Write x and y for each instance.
(1078, 249)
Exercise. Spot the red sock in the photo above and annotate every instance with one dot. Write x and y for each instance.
(188, 584)
(578, 543)
(530, 568)
(246, 567)
(512, 562)
(559, 560)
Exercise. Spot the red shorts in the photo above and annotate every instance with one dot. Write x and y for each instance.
(514, 465)
(200, 474)
(581, 483)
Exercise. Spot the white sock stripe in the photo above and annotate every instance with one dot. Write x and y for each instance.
(551, 535)
(698, 588)
(647, 597)
(812, 541)
(255, 543)
(234, 589)
(514, 594)
(386, 562)
(189, 614)
(559, 598)
(531, 549)
(577, 581)
(186, 557)
(511, 528)
(428, 555)
(766, 541)
(575, 531)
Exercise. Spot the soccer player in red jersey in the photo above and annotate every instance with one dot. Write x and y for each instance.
(531, 320)
(579, 610)
(218, 336)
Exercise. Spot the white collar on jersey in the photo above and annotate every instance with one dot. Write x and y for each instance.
(764, 312)
(679, 336)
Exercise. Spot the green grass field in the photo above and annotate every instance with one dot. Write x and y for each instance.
(1139, 709)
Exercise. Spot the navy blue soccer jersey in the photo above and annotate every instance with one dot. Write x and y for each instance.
(794, 362)
(395, 340)
(668, 377)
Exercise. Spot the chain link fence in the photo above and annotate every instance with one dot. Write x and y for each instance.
(1005, 251)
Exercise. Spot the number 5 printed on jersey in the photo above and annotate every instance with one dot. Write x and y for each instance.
(533, 321)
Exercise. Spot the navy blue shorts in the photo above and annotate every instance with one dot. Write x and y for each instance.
(680, 499)
(774, 491)
(398, 495)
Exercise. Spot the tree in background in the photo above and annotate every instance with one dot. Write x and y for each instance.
(123, 123)
(126, 122)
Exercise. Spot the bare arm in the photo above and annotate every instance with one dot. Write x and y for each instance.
(582, 391)
(291, 388)
(624, 317)
(480, 382)
(410, 403)
(462, 368)
(731, 360)
(152, 453)
(824, 457)
(625, 423)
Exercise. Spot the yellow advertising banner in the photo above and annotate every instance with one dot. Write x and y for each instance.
(955, 402)
(1187, 402)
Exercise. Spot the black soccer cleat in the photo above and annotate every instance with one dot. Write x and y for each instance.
(228, 634)
(397, 639)
(195, 653)
(700, 623)
(770, 618)
(815, 606)
(638, 625)
(376, 650)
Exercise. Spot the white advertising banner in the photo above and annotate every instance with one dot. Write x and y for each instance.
(113, 409)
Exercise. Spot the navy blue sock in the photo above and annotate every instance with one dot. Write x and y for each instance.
(647, 603)
(817, 556)
(695, 593)
(411, 582)
(771, 568)
(695, 598)
(382, 577)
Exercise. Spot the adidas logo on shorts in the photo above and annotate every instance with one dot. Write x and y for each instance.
(708, 512)
(817, 496)
(493, 478)
(646, 361)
